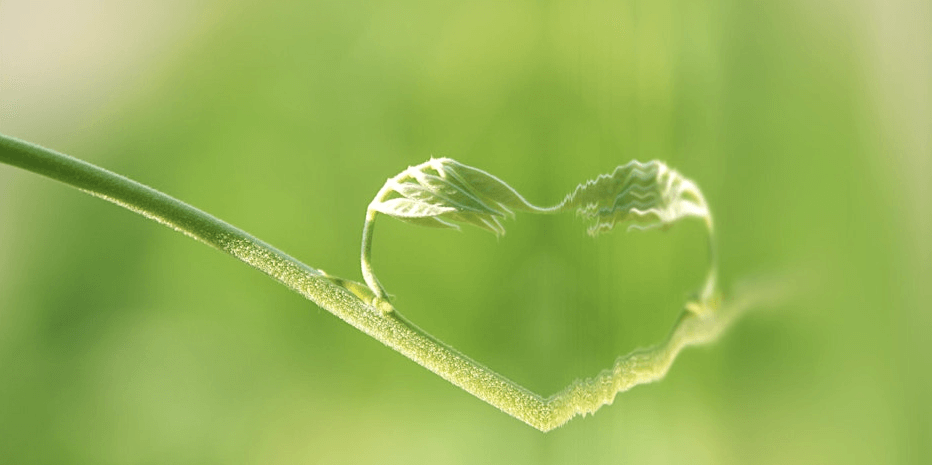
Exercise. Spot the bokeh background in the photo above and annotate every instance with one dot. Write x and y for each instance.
(806, 123)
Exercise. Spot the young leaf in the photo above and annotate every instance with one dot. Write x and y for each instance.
(648, 195)
(408, 208)
(483, 185)
(449, 193)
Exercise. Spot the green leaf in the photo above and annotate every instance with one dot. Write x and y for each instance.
(407, 208)
(449, 192)
(483, 185)
(647, 195)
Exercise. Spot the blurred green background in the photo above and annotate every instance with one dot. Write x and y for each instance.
(807, 125)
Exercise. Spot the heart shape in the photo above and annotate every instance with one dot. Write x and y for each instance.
(441, 193)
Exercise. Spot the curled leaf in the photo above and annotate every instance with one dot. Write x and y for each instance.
(648, 195)
(403, 208)
(443, 193)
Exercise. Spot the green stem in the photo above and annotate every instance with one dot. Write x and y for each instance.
(390, 329)
(350, 302)
(141, 199)
(380, 300)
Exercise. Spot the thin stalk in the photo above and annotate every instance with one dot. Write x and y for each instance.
(380, 300)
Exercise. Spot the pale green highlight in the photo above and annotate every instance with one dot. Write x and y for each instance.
(471, 196)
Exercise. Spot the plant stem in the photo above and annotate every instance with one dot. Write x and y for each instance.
(315, 285)
(380, 300)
